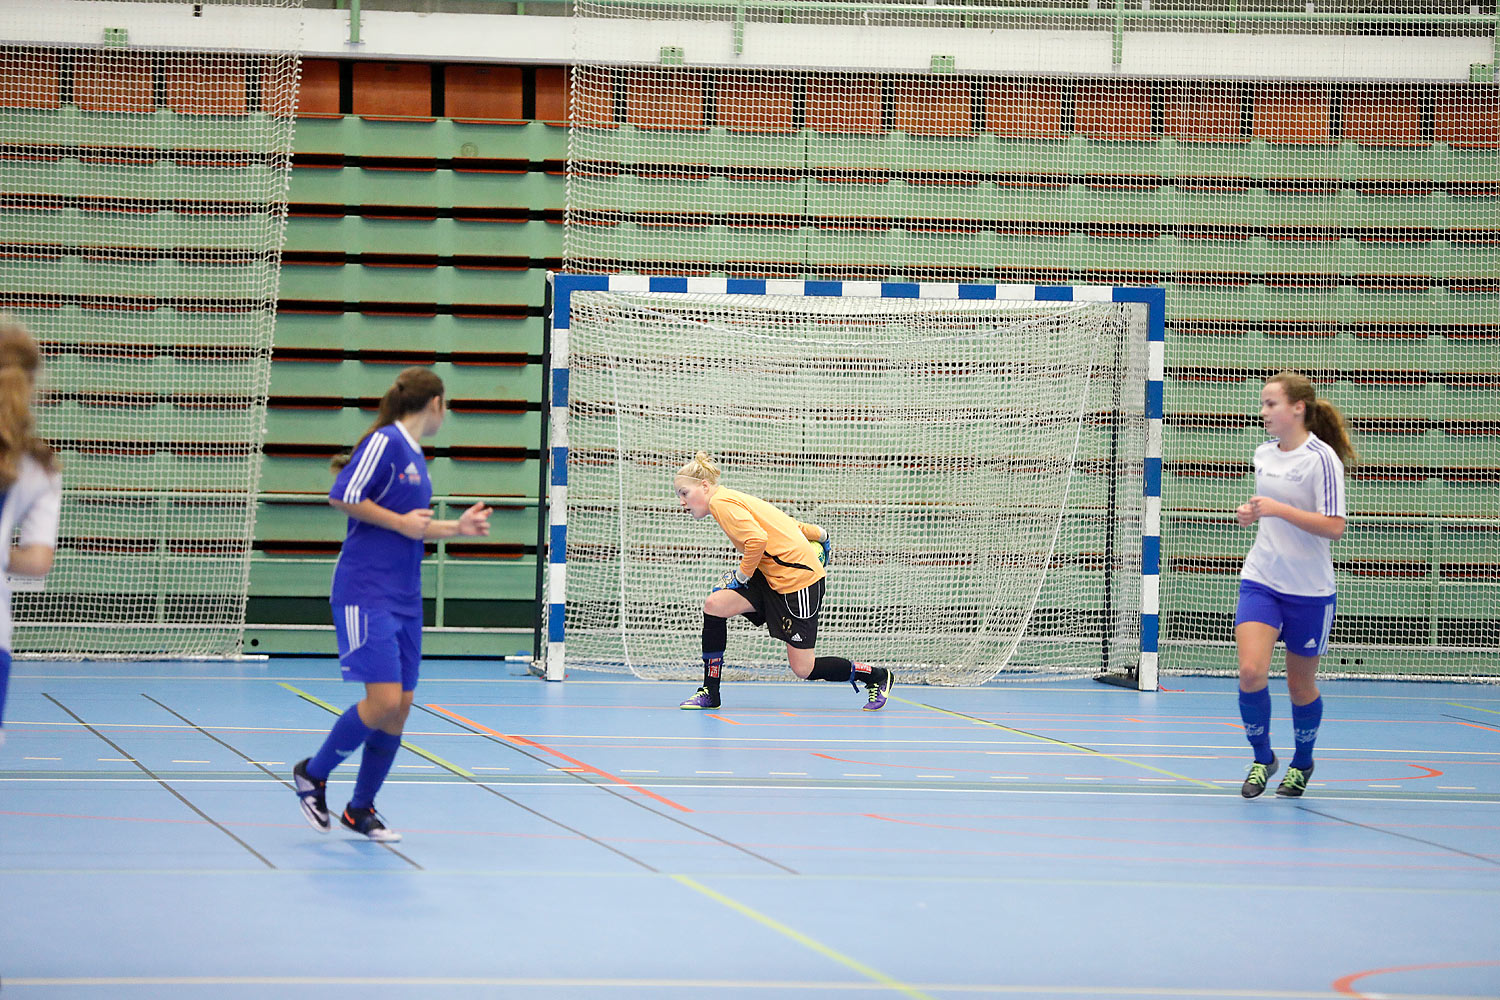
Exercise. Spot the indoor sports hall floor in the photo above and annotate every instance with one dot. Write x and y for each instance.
(587, 839)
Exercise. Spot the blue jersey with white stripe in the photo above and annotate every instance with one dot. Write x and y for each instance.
(378, 567)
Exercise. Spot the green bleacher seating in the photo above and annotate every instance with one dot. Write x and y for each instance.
(467, 477)
(353, 331)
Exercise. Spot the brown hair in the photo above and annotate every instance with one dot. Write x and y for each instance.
(20, 361)
(1321, 417)
(701, 467)
(413, 389)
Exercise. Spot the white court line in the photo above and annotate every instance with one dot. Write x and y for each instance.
(1103, 791)
(653, 987)
(849, 741)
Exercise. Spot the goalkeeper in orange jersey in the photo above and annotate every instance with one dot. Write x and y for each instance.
(778, 583)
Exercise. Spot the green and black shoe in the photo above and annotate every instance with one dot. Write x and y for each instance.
(1295, 783)
(1255, 781)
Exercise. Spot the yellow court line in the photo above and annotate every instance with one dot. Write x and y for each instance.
(802, 939)
(428, 754)
(1473, 708)
(1061, 743)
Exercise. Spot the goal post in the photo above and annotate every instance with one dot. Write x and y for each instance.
(987, 459)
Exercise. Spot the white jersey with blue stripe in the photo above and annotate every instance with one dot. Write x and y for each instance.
(1284, 557)
(379, 567)
(29, 513)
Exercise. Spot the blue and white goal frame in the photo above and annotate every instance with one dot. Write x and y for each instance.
(555, 410)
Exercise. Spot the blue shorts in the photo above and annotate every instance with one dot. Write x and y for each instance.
(1304, 622)
(378, 646)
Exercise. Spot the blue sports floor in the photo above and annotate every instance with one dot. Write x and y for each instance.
(587, 839)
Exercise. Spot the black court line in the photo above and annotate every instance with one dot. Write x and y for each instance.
(1403, 836)
(149, 773)
(501, 795)
(246, 758)
(632, 800)
(1472, 722)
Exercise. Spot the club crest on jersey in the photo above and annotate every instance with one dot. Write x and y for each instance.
(412, 475)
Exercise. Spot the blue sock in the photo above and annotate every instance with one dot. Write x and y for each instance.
(4, 681)
(1305, 722)
(1255, 711)
(346, 736)
(374, 765)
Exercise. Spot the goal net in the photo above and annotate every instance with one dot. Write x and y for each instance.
(144, 164)
(1314, 187)
(978, 463)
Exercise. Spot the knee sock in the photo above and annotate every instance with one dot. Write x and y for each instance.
(374, 765)
(347, 735)
(1305, 722)
(715, 638)
(1255, 711)
(4, 681)
(831, 668)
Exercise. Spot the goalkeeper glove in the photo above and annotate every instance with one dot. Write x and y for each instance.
(732, 581)
(825, 549)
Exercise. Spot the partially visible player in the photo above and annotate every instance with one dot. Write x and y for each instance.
(384, 489)
(778, 583)
(30, 487)
(1286, 586)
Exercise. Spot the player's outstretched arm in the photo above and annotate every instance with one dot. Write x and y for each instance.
(474, 521)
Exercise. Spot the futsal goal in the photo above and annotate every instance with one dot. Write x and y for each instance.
(986, 459)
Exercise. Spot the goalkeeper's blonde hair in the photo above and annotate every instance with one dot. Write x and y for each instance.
(701, 467)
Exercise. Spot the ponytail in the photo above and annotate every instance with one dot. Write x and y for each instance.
(413, 389)
(1325, 420)
(1320, 416)
(702, 468)
(20, 362)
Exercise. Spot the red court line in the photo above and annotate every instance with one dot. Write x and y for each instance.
(578, 764)
(1432, 772)
(1345, 984)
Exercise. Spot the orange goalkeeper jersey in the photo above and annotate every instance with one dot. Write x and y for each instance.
(769, 540)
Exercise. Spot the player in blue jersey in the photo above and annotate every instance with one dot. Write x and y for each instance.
(377, 594)
(30, 490)
(1286, 586)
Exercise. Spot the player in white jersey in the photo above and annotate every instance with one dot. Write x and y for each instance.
(1286, 586)
(30, 489)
